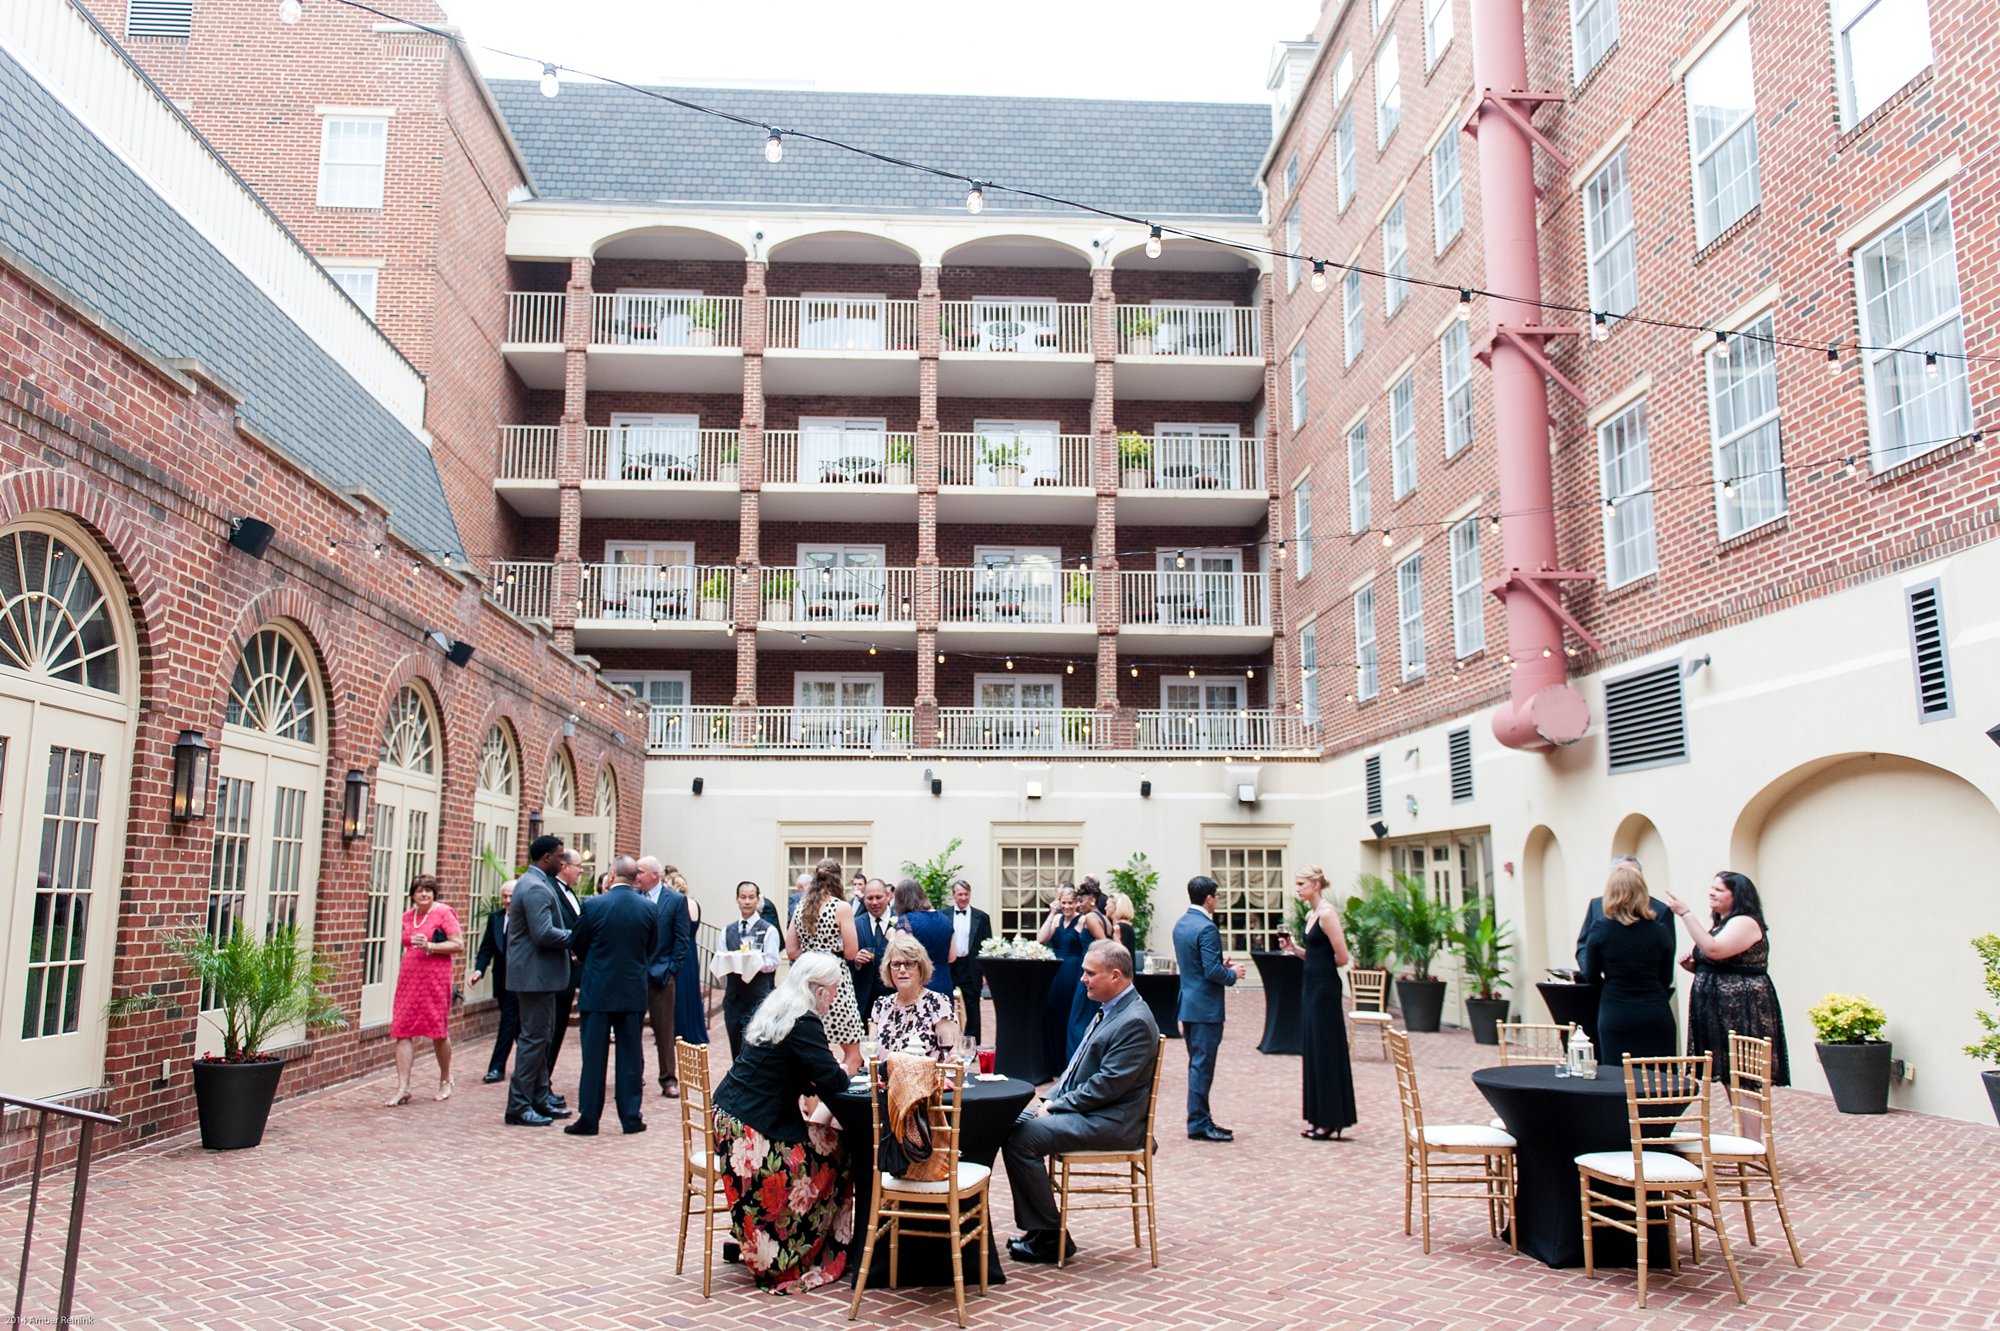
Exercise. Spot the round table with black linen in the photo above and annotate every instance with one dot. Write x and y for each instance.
(1553, 1120)
(1019, 987)
(990, 1110)
(1283, 976)
(1571, 1004)
(1162, 995)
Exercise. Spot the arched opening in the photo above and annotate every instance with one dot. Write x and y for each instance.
(68, 692)
(404, 844)
(1546, 926)
(607, 807)
(1638, 837)
(496, 823)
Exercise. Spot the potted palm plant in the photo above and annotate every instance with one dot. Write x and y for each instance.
(1136, 328)
(901, 453)
(1135, 460)
(1482, 946)
(253, 988)
(704, 318)
(779, 586)
(1855, 1058)
(1003, 457)
(1077, 594)
(715, 596)
(1419, 927)
(1987, 1049)
(1367, 933)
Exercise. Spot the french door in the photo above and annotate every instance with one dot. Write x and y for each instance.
(1204, 711)
(1015, 583)
(837, 450)
(1018, 712)
(842, 583)
(647, 317)
(1196, 457)
(842, 323)
(665, 697)
(1033, 446)
(647, 580)
(1200, 587)
(837, 711)
(653, 447)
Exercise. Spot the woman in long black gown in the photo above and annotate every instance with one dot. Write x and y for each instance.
(1632, 958)
(1732, 991)
(1329, 1078)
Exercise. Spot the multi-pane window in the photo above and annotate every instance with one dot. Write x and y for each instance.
(1395, 259)
(1628, 496)
(1367, 678)
(1379, 11)
(1882, 45)
(803, 856)
(1299, 384)
(1358, 508)
(229, 865)
(1309, 673)
(1410, 614)
(381, 890)
(1345, 180)
(1455, 380)
(1352, 311)
(353, 156)
(1722, 133)
(65, 879)
(1250, 906)
(1909, 311)
(1403, 435)
(1743, 420)
(1593, 31)
(359, 284)
(1291, 174)
(1302, 524)
(1343, 77)
(1029, 876)
(1437, 30)
(1447, 191)
(1607, 230)
(1388, 92)
(1468, 605)
(1294, 243)
(288, 849)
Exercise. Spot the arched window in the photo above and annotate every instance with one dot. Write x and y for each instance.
(404, 828)
(496, 813)
(57, 621)
(607, 807)
(559, 787)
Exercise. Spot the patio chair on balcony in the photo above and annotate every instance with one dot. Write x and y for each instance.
(1188, 477)
(854, 469)
(1183, 608)
(659, 467)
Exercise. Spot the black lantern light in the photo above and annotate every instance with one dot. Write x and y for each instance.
(534, 826)
(354, 806)
(191, 754)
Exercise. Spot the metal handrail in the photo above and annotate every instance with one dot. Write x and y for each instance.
(87, 1120)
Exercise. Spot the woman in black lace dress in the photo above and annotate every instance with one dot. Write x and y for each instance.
(1732, 982)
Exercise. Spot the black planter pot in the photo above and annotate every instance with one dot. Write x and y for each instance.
(1858, 1076)
(1423, 1004)
(1992, 1080)
(233, 1101)
(1485, 1015)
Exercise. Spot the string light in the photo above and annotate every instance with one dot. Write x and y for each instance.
(1190, 672)
(1600, 326)
(1153, 242)
(1833, 360)
(1464, 304)
(1729, 488)
(1721, 344)
(1494, 522)
(871, 649)
(1319, 275)
(551, 85)
(1180, 559)
(1069, 668)
(290, 11)
(774, 147)
(1010, 663)
(1388, 539)
(1135, 672)
(1930, 365)
(940, 658)
(378, 549)
(975, 199)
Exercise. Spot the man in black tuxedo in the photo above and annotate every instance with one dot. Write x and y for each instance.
(970, 927)
(872, 922)
(614, 941)
(493, 956)
(569, 909)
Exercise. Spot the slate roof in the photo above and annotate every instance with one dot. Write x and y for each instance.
(71, 208)
(1182, 159)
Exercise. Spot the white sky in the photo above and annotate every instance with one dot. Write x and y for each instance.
(1175, 50)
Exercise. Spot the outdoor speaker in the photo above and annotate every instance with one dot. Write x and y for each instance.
(459, 653)
(1379, 828)
(1145, 790)
(697, 786)
(251, 536)
(1994, 734)
(937, 785)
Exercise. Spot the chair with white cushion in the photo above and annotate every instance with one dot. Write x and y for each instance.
(1450, 1160)
(701, 1181)
(1371, 1006)
(1126, 1176)
(1747, 1157)
(1666, 1104)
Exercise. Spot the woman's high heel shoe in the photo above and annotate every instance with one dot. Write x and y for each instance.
(444, 1089)
(399, 1098)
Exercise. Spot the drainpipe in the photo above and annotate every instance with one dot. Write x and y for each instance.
(1543, 712)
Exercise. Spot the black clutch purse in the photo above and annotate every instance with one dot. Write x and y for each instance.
(438, 935)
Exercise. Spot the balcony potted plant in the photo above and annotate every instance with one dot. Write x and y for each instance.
(1003, 458)
(1135, 460)
(726, 472)
(1136, 329)
(704, 319)
(1853, 1055)
(715, 596)
(1987, 1049)
(1077, 592)
(255, 988)
(1419, 928)
(780, 585)
(901, 453)
(1482, 946)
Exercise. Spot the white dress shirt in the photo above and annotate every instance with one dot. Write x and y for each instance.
(961, 930)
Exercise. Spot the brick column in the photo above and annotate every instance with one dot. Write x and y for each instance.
(572, 443)
(1281, 688)
(1111, 726)
(749, 605)
(930, 311)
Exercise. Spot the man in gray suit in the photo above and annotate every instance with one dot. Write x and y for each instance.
(1099, 1102)
(538, 974)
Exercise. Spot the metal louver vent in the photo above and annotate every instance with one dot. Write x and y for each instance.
(159, 18)
(1645, 719)
(1373, 780)
(1461, 766)
(1927, 651)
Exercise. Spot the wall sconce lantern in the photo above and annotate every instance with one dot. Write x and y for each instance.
(191, 755)
(534, 826)
(354, 806)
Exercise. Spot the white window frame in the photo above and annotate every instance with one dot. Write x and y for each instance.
(649, 430)
(1904, 17)
(1343, 76)
(1593, 31)
(1345, 181)
(677, 732)
(1749, 458)
(1896, 360)
(1298, 359)
(1631, 545)
(356, 193)
(1367, 666)
(1608, 239)
(1468, 590)
(1438, 29)
(1455, 386)
(1291, 175)
(841, 710)
(1360, 508)
(1447, 191)
(1395, 258)
(1716, 154)
(1041, 449)
(1294, 243)
(1379, 12)
(1309, 673)
(1203, 683)
(1403, 435)
(1302, 526)
(361, 282)
(1388, 92)
(1410, 614)
(1353, 317)
(865, 310)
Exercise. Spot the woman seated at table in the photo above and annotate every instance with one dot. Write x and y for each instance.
(915, 1016)
(1632, 958)
(789, 1183)
(931, 928)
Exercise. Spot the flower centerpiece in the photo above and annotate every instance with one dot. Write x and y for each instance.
(1022, 948)
(1852, 1052)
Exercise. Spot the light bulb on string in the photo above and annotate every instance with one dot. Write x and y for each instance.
(1847, 469)
(1135, 672)
(1600, 325)
(1611, 505)
(1153, 243)
(774, 147)
(940, 658)
(290, 11)
(1464, 304)
(1833, 360)
(975, 199)
(1190, 672)
(1281, 550)
(1729, 488)
(1010, 663)
(1250, 672)
(1180, 559)
(1070, 668)
(1721, 344)
(378, 549)
(1387, 539)
(871, 649)
(1319, 275)
(551, 85)
(1930, 365)
(1494, 522)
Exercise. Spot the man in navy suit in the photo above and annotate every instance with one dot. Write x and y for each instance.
(1198, 950)
(614, 941)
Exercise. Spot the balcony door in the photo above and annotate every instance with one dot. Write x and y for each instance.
(837, 711)
(1196, 457)
(1200, 587)
(646, 580)
(1017, 712)
(1015, 584)
(647, 446)
(1204, 712)
(664, 695)
(1033, 447)
(1195, 327)
(839, 450)
(842, 583)
(834, 322)
(653, 317)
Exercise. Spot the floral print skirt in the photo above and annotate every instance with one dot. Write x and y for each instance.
(791, 1204)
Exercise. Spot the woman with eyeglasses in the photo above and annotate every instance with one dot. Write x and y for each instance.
(915, 1016)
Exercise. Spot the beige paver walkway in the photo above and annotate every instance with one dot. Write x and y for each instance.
(352, 1216)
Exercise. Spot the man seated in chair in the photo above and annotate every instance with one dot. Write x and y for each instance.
(1098, 1104)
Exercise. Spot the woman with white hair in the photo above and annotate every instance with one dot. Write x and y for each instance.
(790, 1186)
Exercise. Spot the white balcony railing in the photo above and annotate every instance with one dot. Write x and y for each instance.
(527, 453)
(1188, 330)
(657, 593)
(641, 319)
(1246, 730)
(535, 317)
(522, 587)
(840, 323)
(1190, 462)
(1194, 599)
(654, 453)
(988, 459)
(1013, 594)
(1018, 327)
(833, 731)
(1025, 730)
(839, 457)
(838, 595)
(795, 729)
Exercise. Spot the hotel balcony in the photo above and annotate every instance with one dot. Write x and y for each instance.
(1023, 608)
(627, 472)
(1027, 477)
(892, 731)
(1189, 353)
(1191, 480)
(643, 342)
(1028, 349)
(534, 343)
(1194, 612)
(640, 605)
(849, 345)
(833, 475)
(837, 608)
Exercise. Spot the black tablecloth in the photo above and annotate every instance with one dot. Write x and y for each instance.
(990, 1110)
(1284, 977)
(1162, 994)
(1018, 988)
(1571, 1004)
(1553, 1120)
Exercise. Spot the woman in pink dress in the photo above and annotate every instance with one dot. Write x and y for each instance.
(423, 986)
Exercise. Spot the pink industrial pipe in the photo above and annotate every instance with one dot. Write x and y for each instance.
(1544, 711)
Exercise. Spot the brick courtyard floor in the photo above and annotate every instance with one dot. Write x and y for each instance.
(352, 1216)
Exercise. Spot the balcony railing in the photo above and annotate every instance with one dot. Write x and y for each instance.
(841, 730)
(1018, 327)
(838, 457)
(1015, 595)
(522, 587)
(1247, 730)
(1025, 730)
(1188, 330)
(838, 595)
(1194, 599)
(670, 453)
(639, 319)
(784, 729)
(988, 459)
(535, 316)
(1190, 462)
(657, 593)
(527, 453)
(840, 323)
